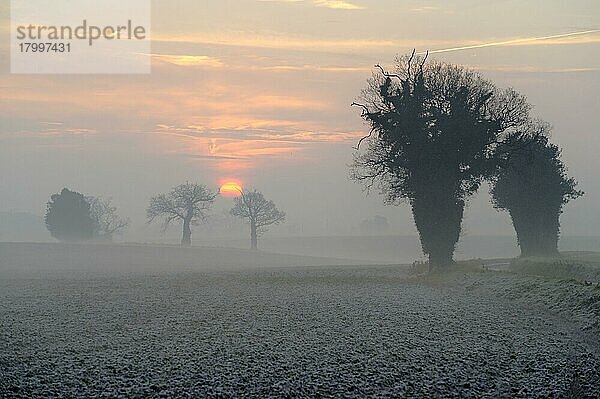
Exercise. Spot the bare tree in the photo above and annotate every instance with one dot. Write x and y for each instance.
(187, 203)
(258, 211)
(106, 219)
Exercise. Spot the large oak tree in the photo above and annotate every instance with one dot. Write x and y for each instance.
(187, 204)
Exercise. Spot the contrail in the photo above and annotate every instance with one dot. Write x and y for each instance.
(513, 41)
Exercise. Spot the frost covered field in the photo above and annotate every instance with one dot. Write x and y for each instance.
(273, 328)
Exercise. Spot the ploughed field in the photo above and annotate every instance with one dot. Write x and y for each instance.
(319, 331)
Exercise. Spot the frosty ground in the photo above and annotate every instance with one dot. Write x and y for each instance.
(274, 328)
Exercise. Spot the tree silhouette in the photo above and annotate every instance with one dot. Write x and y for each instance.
(107, 221)
(187, 203)
(68, 217)
(436, 131)
(533, 187)
(258, 211)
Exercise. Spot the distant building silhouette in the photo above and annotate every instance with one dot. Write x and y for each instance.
(376, 225)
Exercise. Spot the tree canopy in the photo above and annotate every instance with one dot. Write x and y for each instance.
(533, 186)
(258, 211)
(68, 217)
(186, 203)
(107, 221)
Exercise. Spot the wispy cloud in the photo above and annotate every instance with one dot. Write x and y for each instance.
(210, 157)
(189, 60)
(314, 137)
(338, 5)
(425, 9)
(281, 1)
(316, 68)
(333, 4)
(59, 129)
(229, 125)
(581, 37)
(242, 39)
(529, 69)
(257, 64)
(72, 130)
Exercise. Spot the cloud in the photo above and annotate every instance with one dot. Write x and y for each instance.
(581, 37)
(253, 65)
(425, 9)
(333, 4)
(313, 136)
(286, 42)
(210, 157)
(529, 69)
(69, 131)
(316, 68)
(257, 63)
(223, 150)
(274, 131)
(232, 126)
(337, 5)
(189, 60)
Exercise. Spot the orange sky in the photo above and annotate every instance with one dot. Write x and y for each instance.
(248, 89)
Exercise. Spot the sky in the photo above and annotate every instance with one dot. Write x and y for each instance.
(260, 91)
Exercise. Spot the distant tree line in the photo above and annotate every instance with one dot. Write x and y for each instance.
(73, 217)
(438, 131)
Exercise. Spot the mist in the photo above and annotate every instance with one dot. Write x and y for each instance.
(273, 198)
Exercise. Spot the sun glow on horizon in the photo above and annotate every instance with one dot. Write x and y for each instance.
(231, 188)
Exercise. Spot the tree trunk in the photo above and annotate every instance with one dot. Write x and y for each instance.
(253, 235)
(186, 239)
(537, 230)
(552, 232)
(438, 221)
(524, 228)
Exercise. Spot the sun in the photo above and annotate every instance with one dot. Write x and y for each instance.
(231, 188)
